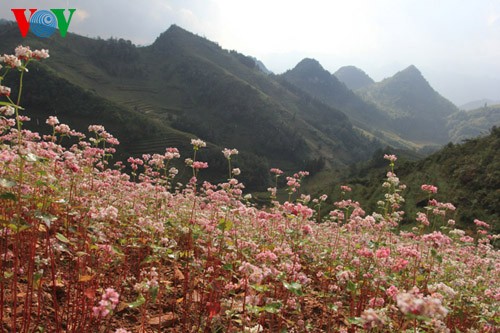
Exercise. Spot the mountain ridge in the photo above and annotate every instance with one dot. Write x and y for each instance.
(417, 111)
(353, 77)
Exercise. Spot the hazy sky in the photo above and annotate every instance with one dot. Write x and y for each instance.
(455, 43)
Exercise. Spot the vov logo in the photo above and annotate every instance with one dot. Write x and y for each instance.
(43, 23)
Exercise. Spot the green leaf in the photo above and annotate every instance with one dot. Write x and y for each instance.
(138, 302)
(117, 250)
(154, 293)
(294, 287)
(8, 196)
(10, 104)
(7, 183)
(227, 267)
(273, 307)
(260, 288)
(46, 218)
(351, 286)
(62, 238)
(225, 225)
(148, 260)
(19, 226)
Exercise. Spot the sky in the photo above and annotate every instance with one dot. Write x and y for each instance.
(454, 43)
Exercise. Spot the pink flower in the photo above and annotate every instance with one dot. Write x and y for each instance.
(391, 158)
(429, 188)
(399, 265)
(96, 128)
(437, 238)
(122, 330)
(52, 121)
(392, 291)
(383, 252)
(307, 229)
(171, 153)
(416, 305)
(228, 152)
(480, 223)
(109, 301)
(372, 319)
(376, 302)
(267, 256)
(422, 218)
(345, 188)
(467, 239)
(62, 129)
(199, 165)
(298, 209)
(276, 171)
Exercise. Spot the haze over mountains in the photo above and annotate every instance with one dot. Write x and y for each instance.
(184, 86)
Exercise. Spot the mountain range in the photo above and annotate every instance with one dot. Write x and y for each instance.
(184, 86)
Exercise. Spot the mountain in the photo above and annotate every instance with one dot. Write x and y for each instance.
(309, 76)
(353, 77)
(472, 105)
(186, 86)
(417, 112)
(468, 124)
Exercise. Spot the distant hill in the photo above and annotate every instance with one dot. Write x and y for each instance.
(188, 86)
(353, 77)
(418, 113)
(469, 124)
(478, 104)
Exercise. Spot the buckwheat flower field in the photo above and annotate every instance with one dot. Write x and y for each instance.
(87, 247)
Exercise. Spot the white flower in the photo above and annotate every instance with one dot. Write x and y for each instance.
(228, 152)
(41, 54)
(4, 91)
(7, 110)
(52, 121)
(197, 143)
(23, 52)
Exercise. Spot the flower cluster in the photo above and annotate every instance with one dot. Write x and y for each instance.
(107, 304)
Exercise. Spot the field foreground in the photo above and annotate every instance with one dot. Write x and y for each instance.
(87, 247)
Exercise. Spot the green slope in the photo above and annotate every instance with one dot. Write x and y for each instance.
(467, 124)
(467, 175)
